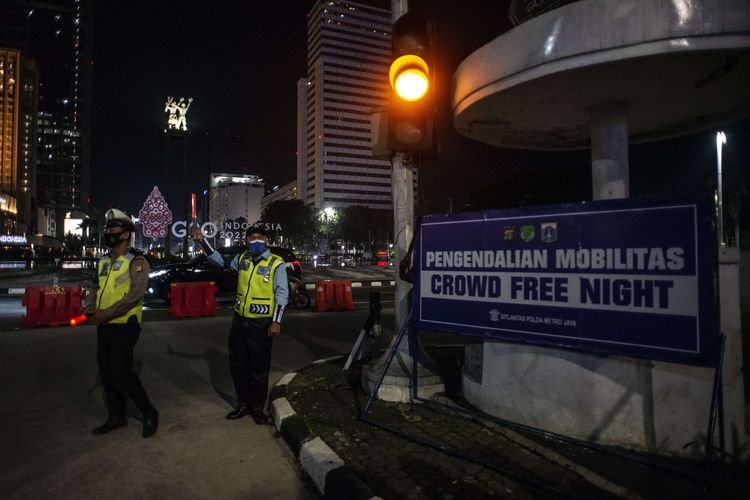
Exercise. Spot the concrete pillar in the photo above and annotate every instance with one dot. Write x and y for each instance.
(609, 151)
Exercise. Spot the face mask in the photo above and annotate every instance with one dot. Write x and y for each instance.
(112, 239)
(256, 247)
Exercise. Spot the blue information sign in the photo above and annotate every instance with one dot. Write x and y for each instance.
(630, 277)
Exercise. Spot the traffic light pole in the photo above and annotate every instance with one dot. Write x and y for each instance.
(402, 182)
(403, 217)
(396, 385)
(398, 9)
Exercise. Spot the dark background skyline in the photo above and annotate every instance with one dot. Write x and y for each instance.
(241, 61)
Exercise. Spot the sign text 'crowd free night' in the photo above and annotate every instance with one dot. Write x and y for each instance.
(626, 277)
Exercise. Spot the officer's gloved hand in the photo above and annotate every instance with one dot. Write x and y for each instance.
(274, 330)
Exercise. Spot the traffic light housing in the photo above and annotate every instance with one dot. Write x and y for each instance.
(410, 114)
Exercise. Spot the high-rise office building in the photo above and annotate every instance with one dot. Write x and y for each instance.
(348, 55)
(27, 145)
(280, 193)
(54, 38)
(10, 65)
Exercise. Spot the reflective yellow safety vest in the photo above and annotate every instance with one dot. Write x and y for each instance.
(255, 297)
(114, 284)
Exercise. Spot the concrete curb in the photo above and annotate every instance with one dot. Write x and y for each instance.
(328, 471)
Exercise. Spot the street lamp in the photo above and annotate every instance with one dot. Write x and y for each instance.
(721, 139)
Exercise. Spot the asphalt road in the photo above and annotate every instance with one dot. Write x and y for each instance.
(51, 398)
(155, 309)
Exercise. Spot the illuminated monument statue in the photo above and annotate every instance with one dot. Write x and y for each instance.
(177, 111)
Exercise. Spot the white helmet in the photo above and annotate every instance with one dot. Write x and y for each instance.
(115, 217)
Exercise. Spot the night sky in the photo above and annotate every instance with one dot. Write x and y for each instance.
(240, 60)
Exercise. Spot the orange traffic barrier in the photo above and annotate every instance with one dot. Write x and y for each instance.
(323, 295)
(196, 298)
(52, 305)
(342, 291)
(333, 295)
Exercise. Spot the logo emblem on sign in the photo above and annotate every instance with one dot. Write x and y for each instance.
(509, 233)
(549, 232)
(527, 233)
(494, 315)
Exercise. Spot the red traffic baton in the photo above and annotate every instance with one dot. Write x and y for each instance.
(79, 319)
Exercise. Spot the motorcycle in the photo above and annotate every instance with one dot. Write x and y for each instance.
(298, 294)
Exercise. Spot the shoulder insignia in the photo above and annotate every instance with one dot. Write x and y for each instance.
(138, 262)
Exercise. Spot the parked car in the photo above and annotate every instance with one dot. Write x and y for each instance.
(200, 269)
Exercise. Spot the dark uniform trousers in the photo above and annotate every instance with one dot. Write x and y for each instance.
(250, 359)
(114, 353)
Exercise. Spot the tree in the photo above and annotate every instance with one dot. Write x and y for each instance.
(299, 222)
(90, 227)
(362, 225)
(73, 244)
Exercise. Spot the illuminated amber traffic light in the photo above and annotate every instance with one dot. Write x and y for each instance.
(410, 77)
(410, 111)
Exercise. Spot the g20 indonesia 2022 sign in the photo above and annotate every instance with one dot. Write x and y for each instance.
(627, 277)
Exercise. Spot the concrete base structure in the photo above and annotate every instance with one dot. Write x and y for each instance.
(639, 404)
(680, 66)
(601, 74)
(396, 386)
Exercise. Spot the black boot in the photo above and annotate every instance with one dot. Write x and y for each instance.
(259, 416)
(116, 411)
(150, 423)
(240, 412)
(111, 424)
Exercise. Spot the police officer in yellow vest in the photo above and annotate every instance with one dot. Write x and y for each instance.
(262, 294)
(115, 307)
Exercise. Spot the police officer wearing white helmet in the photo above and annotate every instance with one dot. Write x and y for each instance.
(115, 307)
